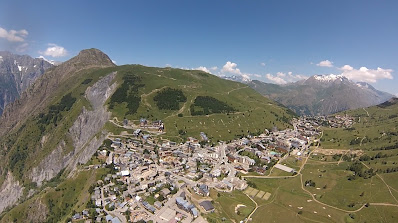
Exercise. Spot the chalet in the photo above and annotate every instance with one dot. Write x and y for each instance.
(207, 206)
(148, 207)
(231, 158)
(157, 123)
(203, 190)
(143, 122)
(165, 192)
(203, 136)
(282, 149)
(185, 205)
(137, 132)
(157, 205)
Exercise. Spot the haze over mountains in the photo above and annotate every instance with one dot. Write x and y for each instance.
(321, 94)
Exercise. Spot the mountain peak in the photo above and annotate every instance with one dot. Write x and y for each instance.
(91, 57)
(329, 78)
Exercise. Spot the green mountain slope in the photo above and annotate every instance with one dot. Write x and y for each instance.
(63, 119)
(249, 111)
(376, 128)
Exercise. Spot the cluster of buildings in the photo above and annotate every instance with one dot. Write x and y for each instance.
(155, 181)
(341, 121)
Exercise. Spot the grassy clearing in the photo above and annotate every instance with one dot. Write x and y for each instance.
(333, 188)
(225, 207)
(287, 200)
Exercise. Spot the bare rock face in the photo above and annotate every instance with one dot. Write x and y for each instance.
(17, 73)
(90, 122)
(51, 165)
(10, 192)
(83, 133)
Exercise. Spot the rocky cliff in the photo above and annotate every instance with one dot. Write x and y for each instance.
(83, 133)
(10, 192)
(73, 144)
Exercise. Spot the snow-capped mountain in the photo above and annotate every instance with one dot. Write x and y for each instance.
(329, 78)
(323, 94)
(17, 73)
(237, 78)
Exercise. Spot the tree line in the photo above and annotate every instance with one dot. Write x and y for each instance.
(169, 99)
(206, 105)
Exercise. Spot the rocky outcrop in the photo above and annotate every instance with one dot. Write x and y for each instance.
(51, 165)
(84, 133)
(10, 192)
(90, 122)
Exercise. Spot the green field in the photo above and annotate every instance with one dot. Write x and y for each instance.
(225, 206)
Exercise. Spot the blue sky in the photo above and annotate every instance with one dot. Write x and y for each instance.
(273, 41)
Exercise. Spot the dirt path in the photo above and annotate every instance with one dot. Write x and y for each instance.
(330, 206)
(341, 158)
(144, 96)
(366, 112)
(388, 186)
(237, 89)
(360, 144)
(255, 209)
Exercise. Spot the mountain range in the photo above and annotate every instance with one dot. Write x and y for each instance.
(322, 94)
(17, 73)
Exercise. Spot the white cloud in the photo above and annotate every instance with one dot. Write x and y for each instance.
(262, 64)
(202, 68)
(283, 78)
(276, 79)
(257, 75)
(325, 63)
(366, 75)
(55, 51)
(114, 62)
(246, 76)
(13, 35)
(280, 74)
(346, 68)
(213, 68)
(295, 77)
(22, 48)
(230, 67)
